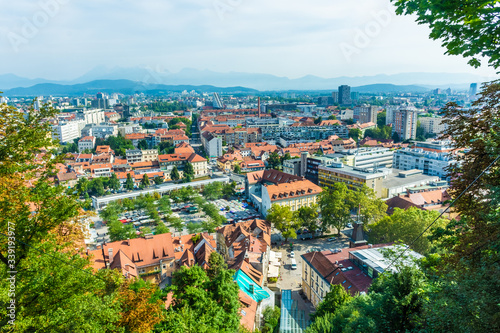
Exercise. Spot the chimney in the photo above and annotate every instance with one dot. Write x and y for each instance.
(110, 255)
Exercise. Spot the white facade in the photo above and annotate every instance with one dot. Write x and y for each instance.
(432, 164)
(103, 131)
(369, 158)
(212, 145)
(86, 143)
(390, 110)
(94, 116)
(432, 125)
(66, 132)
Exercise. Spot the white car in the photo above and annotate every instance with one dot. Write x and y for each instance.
(331, 239)
(292, 254)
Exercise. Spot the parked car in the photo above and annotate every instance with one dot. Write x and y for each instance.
(331, 239)
(292, 254)
(349, 225)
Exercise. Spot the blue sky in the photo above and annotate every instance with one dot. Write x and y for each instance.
(63, 39)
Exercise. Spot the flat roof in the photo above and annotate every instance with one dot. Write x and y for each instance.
(353, 171)
(394, 180)
(374, 257)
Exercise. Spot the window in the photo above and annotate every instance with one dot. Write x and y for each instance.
(142, 271)
(344, 281)
(349, 287)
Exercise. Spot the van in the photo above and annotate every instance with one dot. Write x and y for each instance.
(294, 263)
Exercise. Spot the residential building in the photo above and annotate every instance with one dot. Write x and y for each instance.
(354, 178)
(93, 116)
(167, 163)
(405, 123)
(66, 132)
(153, 257)
(212, 144)
(368, 158)
(390, 111)
(134, 155)
(431, 163)
(432, 125)
(104, 131)
(344, 95)
(352, 268)
(253, 165)
(255, 181)
(292, 166)
(87, 142)
(366, 113)
(149, 155)
(296, 194)
(424, 197)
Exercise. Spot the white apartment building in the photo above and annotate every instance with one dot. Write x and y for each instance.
(368, 158)
(212, 145)
(134, 155)
(103, 131)
(433, 125)
(87, 142)
(431, 163)
(66, 132)
(390, 110)
(366, 114)
(94, 116)
(149, 155)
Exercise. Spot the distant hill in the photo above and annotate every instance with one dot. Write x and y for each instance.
(259, 81)
(389, 88)
(117, 86)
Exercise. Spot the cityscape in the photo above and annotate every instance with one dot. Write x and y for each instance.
(135, 199)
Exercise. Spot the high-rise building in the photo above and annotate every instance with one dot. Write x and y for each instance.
(217, 101)
(354, 95)
(365, 113)
(335, 96)
(344, 95)
(473, 89)
(390, 110)
(405, 123)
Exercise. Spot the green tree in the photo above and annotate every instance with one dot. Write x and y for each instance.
(145, 181)
(274, 161)
(143, 145)
(420, 135)
(467, 29)
(114, 182)
(164, 205)
(395, 137)
(174, 175)
(202, 304)
(335, 205)
(176, 222)
(161, 228)
(194, 228)
(369, 208)
(158, 180)
(381, 119)
(332, 117)
(82, 186)
(404, 226)
(355, 133)
(283, 219)
(229, 190)
(318, 120)
(189, 169)
(213, 191)
(308, 218)
(271, 319)
(129, 183)
(334, 299)
(96, 187)
(237, 169)
(216, 264)
(286, 157)
(118, 231)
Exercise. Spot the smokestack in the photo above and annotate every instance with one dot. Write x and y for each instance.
(110, 255)
(259, 105)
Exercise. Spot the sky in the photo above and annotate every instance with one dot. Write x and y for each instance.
(64, 39)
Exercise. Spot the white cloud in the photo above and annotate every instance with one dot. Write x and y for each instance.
(286, 38)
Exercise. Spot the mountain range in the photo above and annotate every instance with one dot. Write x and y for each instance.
(149, 79)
